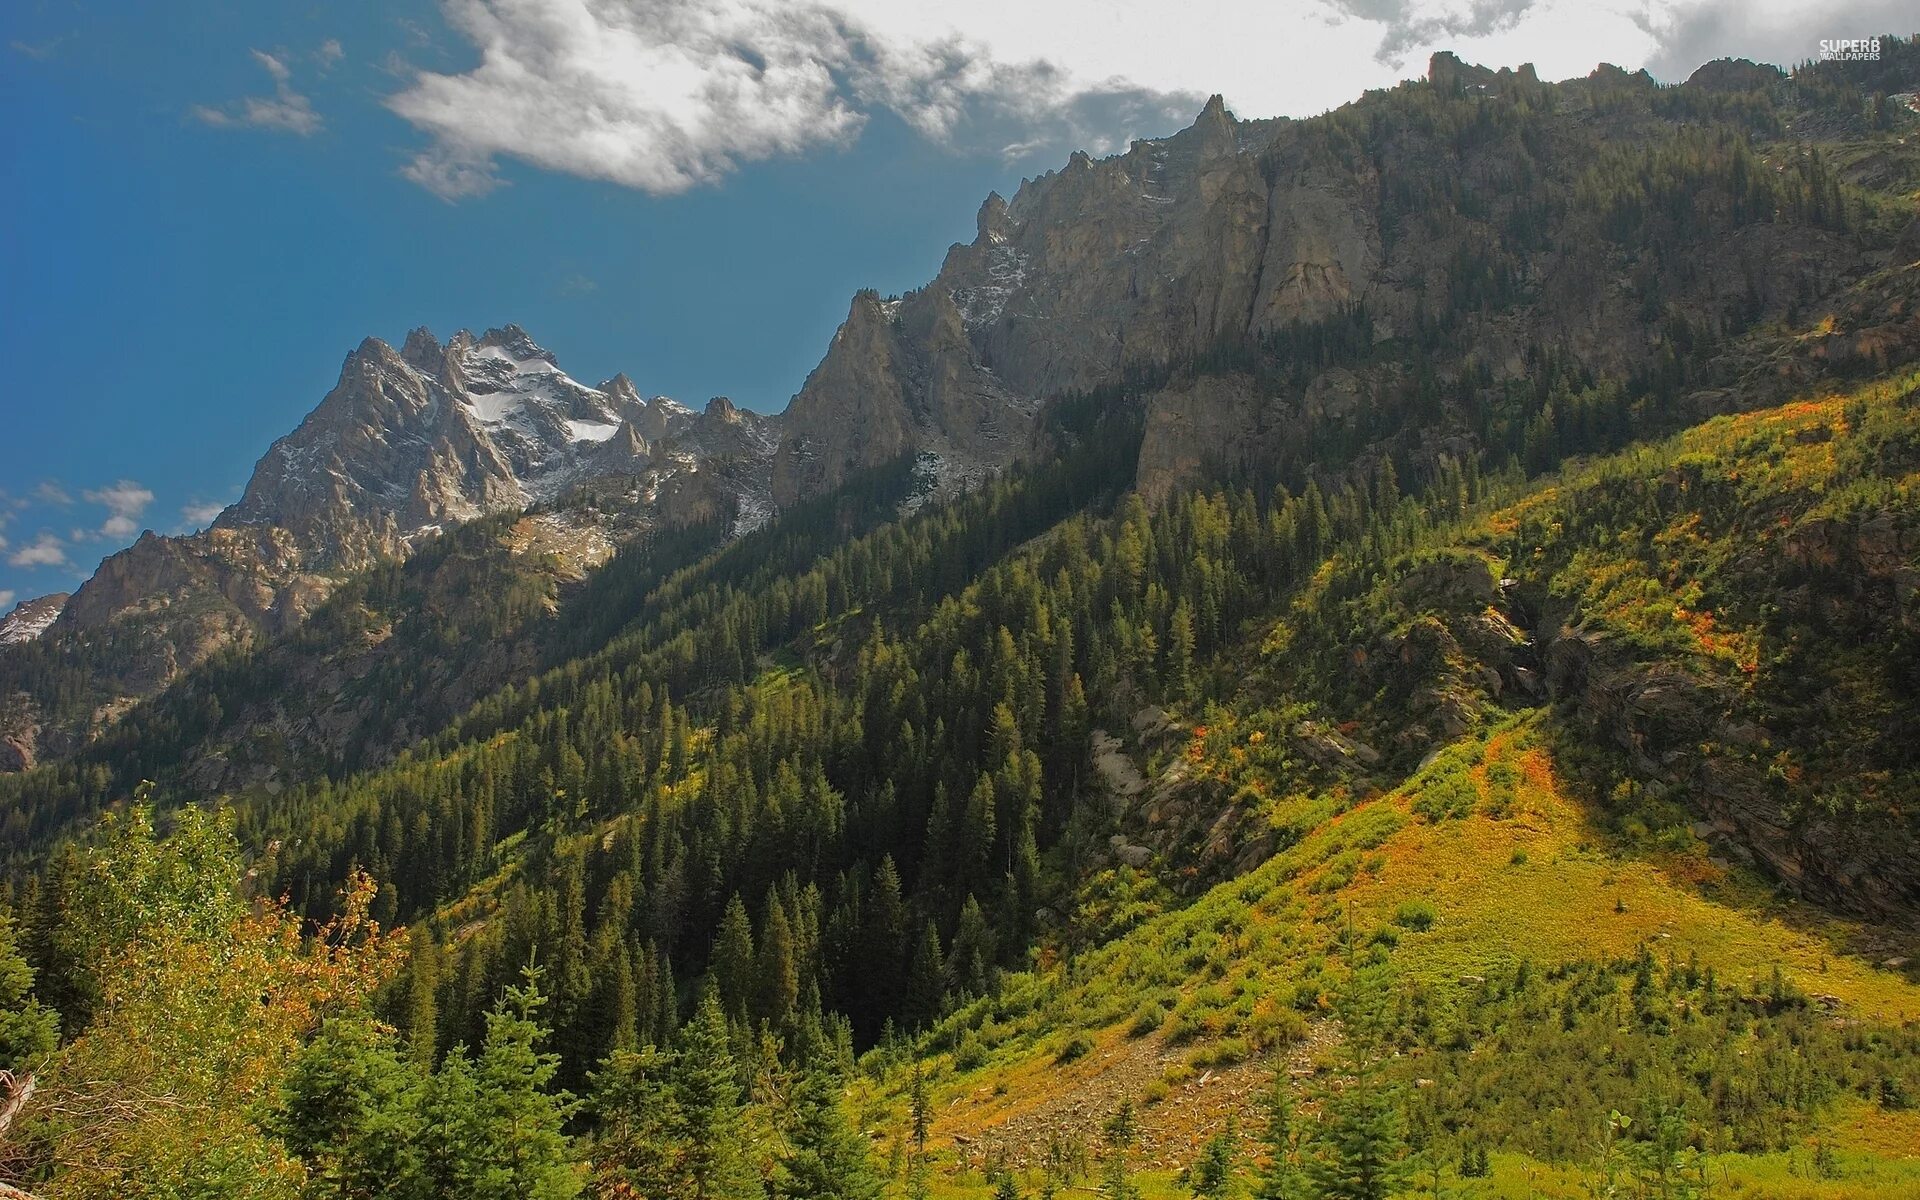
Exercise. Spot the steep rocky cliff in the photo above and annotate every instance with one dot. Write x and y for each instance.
(1468, 220)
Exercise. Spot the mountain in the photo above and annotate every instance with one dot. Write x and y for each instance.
(408, 444)
(30, 618)
(1235, 233)
(1501, 223)
(1409, 614)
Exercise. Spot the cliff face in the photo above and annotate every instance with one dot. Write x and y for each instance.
(1461, 212)
(1145, 257)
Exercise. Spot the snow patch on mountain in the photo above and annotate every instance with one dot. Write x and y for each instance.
(30, 618)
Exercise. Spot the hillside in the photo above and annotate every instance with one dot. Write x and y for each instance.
(1413, 610)
(1507, 896)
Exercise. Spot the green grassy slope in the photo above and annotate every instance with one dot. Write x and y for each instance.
(1538, 921)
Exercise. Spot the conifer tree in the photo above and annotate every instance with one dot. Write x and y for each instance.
(1116, 1178)
(1280, 1178)
(1359, 1148)
(778, 978)
(733, 961)
(28, 1029)
(826, 1157)
(423, 1011)
(638, 1142)
(970, 958)
(1212, 1173)
(927, 978)
(502, 1129)
(714, 1163)
(353, 1112)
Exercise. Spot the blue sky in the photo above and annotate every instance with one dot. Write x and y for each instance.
(208, 205)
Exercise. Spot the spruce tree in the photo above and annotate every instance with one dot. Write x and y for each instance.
(1359, 1148)
(28, 1029)
(733, 964)
(778, 977)
(826, 1158)
(352, 1110)
(423, 1012)
(638, 1139)
(494, 1131)
(1212, 1173)
(714, 1163)
(1280, 1178)
(1116, 1180)
(927, 979)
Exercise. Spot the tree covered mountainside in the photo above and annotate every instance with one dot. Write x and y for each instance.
(1443, 726)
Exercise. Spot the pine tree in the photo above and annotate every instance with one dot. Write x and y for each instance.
(885, 937)
(1212, 1173)
(28, 1029)
(927, 979)
(970, 958)
(778, 978)
(637, 1144)
(826, 1158)
(1116, 1180)
(733, 959)
(1180, 646)
(713, 1163)
(423, 1011)
(530, 1149)
(618, 1003)
(352, 1110)
(1280, 1178)
(1359, 1149)
(919, 1110)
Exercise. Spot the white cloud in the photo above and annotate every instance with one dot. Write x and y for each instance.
(6, 597)
(1785, 32)
(665, 95)
(329, 54)
(286, 111)
(124, 502)
(50, 492)
(46, 550)
(200, 514)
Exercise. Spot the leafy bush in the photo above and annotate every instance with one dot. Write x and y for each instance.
(1417, 915)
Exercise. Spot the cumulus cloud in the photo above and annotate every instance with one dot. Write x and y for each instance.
(50, 492)
(1687, 33)
(6, 597)
(286, 111)
(329, 54)
(45, 550)
(124, 502)
(1407, 25)
(665, 95)
(199, 514)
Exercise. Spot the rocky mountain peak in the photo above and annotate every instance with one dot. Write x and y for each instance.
(1446, 71)
(30, 618)
(406, 443)
(621, 389)
(423, 351)
(991, 224)
(1734, 75)
(516, 344)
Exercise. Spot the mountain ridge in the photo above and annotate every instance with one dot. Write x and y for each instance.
(1280, 256)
